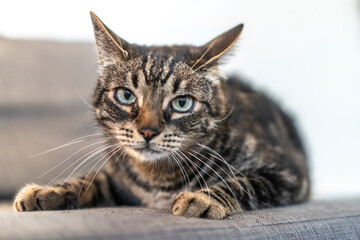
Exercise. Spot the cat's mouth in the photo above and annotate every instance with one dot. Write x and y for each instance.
(150, 154)
(148, 149)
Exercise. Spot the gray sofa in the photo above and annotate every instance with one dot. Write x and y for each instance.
(43, 89)
(313, 220)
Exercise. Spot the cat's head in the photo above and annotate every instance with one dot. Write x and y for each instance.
(158, 101)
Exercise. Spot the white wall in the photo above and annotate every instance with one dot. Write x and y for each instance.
(305, 53)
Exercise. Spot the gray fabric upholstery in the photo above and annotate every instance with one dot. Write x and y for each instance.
(313, 220)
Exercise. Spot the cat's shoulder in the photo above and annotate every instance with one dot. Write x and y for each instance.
(237, 83)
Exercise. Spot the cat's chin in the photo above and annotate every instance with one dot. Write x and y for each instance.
(148, 154)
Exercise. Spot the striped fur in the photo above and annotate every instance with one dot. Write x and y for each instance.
(235, 150)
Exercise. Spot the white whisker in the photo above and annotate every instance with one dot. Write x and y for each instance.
(227, 115)
(77, 140)
(179, 165)
(222, 179)
(98, 159)
(178, 157)
(219, 157)
(201, 168)
(94, 153)
(70, 157)
(234, 177)
(83, 99)
(207, 187)
(116, 151)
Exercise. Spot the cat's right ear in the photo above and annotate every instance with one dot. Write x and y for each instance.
(110, 47)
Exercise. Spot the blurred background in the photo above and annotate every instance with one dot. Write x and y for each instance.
(306, 54)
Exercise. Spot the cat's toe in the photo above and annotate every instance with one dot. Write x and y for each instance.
(199, 205)
(25, 200)
(34, 197)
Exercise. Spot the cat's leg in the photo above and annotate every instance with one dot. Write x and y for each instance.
(234, 195)
(75, 193)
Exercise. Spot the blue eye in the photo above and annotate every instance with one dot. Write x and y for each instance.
(182, 104)
(124, 96)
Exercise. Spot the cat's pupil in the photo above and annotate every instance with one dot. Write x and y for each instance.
(127, 94)
(182, 102)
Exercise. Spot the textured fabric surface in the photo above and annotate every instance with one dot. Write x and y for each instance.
(313, 220)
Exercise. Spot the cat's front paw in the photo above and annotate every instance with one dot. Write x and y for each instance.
(197, 204)
(34, 197)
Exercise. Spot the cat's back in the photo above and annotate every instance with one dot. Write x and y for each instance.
(256, 113)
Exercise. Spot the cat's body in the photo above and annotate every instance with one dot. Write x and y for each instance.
(181, 136)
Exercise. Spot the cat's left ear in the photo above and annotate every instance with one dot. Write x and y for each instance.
(208, 54)
(110, 46)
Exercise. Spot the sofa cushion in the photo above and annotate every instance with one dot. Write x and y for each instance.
(336, 219)
(40, 107)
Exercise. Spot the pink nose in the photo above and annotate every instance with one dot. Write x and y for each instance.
(148, 133)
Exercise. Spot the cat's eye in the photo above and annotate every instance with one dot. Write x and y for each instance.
(124, 96)
(182, 104)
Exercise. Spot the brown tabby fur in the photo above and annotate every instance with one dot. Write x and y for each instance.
(236, 150)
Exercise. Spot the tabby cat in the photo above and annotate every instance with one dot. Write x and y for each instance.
(182, 137)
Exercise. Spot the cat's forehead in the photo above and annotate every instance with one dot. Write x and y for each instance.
(153, 69)
(178, 52)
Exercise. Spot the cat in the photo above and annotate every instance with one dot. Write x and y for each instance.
(182, 137)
